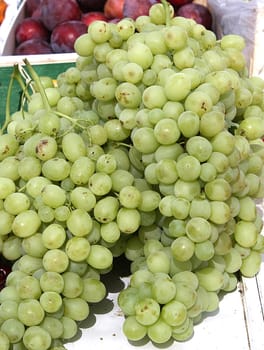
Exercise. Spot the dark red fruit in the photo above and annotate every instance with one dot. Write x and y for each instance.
(30, 28)
(114, 8)
(91, 5)
(33, 47)
(178, 3)
(54, 12)
(91, 16)
(136, 8)
(64, 35)
(31, 6)
(197, 12)
(5, 269)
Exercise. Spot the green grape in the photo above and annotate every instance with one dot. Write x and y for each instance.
(6, 222)
(133, 330)
(4, 341)
(210, 278)
(35, 185)
(188, 168)
(77, 248)
(184, 58)
(53, 236)
(163, 290)
(182, 248)
(93, 290)
(188, 123)
(76, 309)
(14, 329)
(26, 223)
(100, 257)
(7, 187)
(82, 198)
(141, 54)
(159, 332)
(166, 131)
(198, 102)
(9, 168)
(12, 248)
(56, 169)
(53, 326)
(28, 288)
(149, 201)
(128, 220)
(8, 309)
(45, 213)
(127, 300)
(70, 327)
(36, 337)
(130, 197)
(154, 97)
(8, 146)
(110, 232)
(9, 293)
(73, 146)
(79, 222)
(55, 260)
(106, 209)
(180, 207)
(204, 251)
(245, 233)
(30, 312)
(73, 284)
(53, 195)
(158, 261)
(29, 264)
(186, 334)
(52, 282)
(147, 311)
(174, 313)
(251, 264)
(177, 86)
(50, 301)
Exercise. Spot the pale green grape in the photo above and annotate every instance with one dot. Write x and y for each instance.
(159, 332)
(128, 220)
(14, 329)
(163, 290)
(182, 248)
(53, 236)
(4, 341)
(133, 330)
(79, 222)
(177, 86)
(210, 278)
(51, 281)
(100, 257)
(53, 195)
(189, 123)
(147, 311)
(158, 261)
(55, 260)
(53, 326)
(28, 288)
(70, 327)
(245, 233)
(93, 290)
(55, 169)
(82, 198)
(73, 284)
(77, 309)
(77, 248)
(106, 209)
(26, 223)
(166, 131)
(188, 168)
(50, 301)
(36, 337)
(30, 312)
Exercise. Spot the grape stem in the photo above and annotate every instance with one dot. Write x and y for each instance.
(38, 84)
(167, 11)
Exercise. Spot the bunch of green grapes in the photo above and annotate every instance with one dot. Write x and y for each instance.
(149, 146)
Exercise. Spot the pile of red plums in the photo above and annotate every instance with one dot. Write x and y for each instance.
(52, 26)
